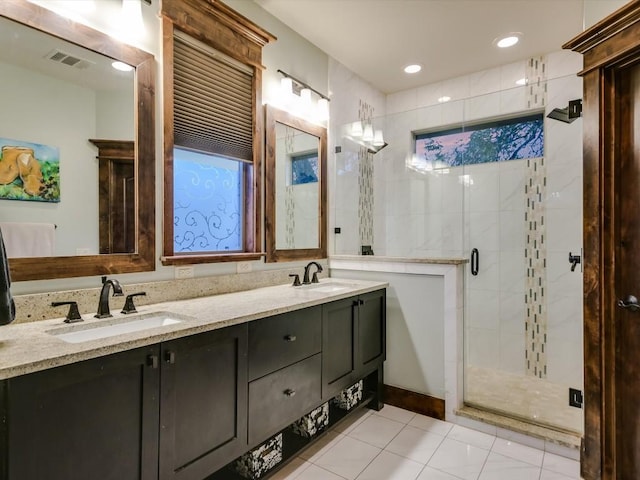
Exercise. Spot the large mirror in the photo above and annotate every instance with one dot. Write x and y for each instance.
(296, 188)
(77, 169)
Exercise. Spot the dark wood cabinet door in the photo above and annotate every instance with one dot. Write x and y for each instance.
(371, 331)
(338, 345)
(203, 415)
(96, 419)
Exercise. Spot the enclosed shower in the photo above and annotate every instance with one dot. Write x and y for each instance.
(489, 177)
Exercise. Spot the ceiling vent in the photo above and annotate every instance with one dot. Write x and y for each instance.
(59, 56)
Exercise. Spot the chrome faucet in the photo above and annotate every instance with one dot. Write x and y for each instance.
(103, 305)
(314, 279)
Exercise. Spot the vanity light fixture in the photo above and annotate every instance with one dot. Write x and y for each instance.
(444, 99)
(414, 68)
(296, 98)
(508, 40)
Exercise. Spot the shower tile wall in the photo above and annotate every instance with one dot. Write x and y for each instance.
(353, 182)
(444, 213)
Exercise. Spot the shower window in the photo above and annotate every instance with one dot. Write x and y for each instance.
(304, 168)
(496, 141)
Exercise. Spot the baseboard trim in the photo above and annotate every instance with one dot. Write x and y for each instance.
(414, 402)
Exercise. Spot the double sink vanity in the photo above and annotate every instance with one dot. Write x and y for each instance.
(182, 389)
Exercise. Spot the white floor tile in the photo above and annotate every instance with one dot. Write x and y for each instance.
(416, 444)
(472, 437)
(432, 474)
(292, 470)
(377, 431)
(549, 475)
(431, 424)
(558, 464)
(316, 450)
(395, 444)
(459, 459)
(568, 452)
(499, 467)
(350, 423)
(317, 473)
(517, 451)
(348, 458)
(388, 466)
(395, 413)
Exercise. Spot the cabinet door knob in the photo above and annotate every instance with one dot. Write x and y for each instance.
(170, 357)
(289, 392)
(290, 338)
(152, 361)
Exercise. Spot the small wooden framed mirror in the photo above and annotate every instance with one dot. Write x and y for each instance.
(296, 188)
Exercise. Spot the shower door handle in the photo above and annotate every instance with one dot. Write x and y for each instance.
(475, 261)
(630, 303)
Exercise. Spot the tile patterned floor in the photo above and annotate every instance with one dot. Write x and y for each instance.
(396, 444)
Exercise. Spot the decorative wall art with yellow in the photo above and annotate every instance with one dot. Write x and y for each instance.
(29, 171)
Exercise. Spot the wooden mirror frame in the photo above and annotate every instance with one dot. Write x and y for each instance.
(274, 115)
(38, 268)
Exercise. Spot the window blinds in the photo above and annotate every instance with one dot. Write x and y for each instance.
(213, 98)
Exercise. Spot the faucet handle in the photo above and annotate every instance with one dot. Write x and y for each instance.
(129, 307)
(73, 316)
(314, 278)
(296, 279)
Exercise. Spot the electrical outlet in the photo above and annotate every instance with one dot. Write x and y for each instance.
(243, 267)
(184, 272)
(575, 398)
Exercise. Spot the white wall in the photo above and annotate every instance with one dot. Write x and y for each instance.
(62, 115)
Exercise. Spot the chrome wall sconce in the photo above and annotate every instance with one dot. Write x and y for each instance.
(365, 135)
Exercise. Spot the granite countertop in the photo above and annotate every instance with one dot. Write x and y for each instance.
(30, 347)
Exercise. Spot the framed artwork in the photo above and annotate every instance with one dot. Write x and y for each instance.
(29, 171)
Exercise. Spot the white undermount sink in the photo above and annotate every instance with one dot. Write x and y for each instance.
(86, 332)
(326, 287)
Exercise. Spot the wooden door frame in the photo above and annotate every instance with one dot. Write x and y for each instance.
(607, 47)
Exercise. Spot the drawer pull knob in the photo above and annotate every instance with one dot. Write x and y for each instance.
(290, 338)
(289, 392)
(152, 361)
(170, 357)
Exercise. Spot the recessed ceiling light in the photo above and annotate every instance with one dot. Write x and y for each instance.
(522, 81)
(508, 41)
(123, 67)
(444, 99)
(415, 68)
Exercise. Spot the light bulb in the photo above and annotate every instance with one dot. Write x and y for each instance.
(323, 109)
(367, 136)
(286, 86)
(378, 141)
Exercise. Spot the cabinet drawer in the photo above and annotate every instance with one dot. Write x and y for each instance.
(276, 342)
(282, 397)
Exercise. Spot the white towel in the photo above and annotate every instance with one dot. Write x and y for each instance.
(28, 239)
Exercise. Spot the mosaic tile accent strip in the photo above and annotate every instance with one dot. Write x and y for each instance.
(289, 219)
(536, 75)
(536, 265)
(365, 182)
